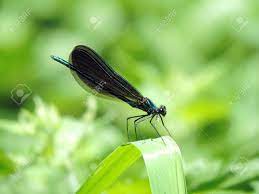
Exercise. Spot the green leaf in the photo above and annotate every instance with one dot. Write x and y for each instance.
(163, 163)
(7, 166)
(243, 172)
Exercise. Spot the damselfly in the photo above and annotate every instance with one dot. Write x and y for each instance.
(92, 72)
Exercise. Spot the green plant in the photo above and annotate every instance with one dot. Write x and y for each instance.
(163, 163)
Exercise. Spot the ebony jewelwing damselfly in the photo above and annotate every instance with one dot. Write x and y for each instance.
(92, 72)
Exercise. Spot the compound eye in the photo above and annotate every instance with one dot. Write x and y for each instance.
(163, 110)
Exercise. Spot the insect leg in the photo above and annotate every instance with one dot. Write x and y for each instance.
(141, 120)
(128, 123)
(137, 121)
(165, 126)
(156, 128)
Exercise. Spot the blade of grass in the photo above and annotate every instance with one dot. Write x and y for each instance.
(163, 164)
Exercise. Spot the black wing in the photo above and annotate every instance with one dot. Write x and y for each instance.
(91, 70)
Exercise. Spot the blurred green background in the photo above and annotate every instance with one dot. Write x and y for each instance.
(199, 58)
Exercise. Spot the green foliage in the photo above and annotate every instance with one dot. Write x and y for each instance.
(7, 166)
(65, 151)
(199, 58)
(163, 161)
(112, 167)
